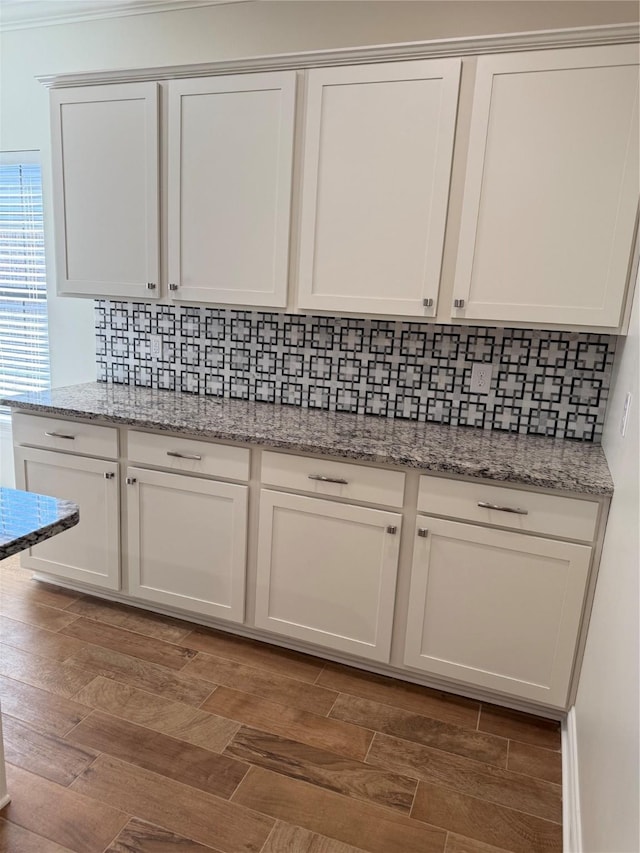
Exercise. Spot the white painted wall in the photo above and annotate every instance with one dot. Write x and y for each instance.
(6, 456)
(607, 709)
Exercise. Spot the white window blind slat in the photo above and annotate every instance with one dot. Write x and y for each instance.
(24, 334)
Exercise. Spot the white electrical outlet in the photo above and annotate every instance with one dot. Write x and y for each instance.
(481, 374)
(156, 346)
(625, 414)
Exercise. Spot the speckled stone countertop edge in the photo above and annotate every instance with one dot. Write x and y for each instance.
(67, 514)
(534, 461)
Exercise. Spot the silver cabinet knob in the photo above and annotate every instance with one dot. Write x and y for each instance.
(423, 532)
(131, 481)
(173, 286)
(109, 475)
(458, 303)
(428, 303)
(392, 529)
(151, 285)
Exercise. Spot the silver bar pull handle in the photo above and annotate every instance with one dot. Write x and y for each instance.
(324, 479)
(183, 455)
(515, 509)
(61, 435)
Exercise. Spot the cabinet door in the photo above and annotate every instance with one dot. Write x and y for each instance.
(496, 609)
(90, 551)
(327, 573)
(378, 144)
(187, 542)
(551, 189)
(105, 181)
(230, 155)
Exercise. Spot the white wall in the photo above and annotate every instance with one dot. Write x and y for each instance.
(6, 457)
(607, 708)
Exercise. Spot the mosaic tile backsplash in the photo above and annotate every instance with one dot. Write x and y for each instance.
(547, 383)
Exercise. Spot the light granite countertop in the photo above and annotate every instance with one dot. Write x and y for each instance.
(537, 461)
(27, 518)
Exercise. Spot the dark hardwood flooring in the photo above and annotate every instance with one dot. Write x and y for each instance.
(127, 731)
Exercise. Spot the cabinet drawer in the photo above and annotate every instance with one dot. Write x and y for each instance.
(528, 511)
(187, 454)
(58, 434)
(340, 479)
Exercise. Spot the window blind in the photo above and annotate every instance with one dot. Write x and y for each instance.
(24, 337)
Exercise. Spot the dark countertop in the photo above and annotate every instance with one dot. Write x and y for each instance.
(27, 518)
(527, 460)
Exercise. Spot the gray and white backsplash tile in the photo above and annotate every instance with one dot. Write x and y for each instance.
(550, 383)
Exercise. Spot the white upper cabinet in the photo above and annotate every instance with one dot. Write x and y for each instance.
(230, 159)
(542, 215)
(105, 179)
(551, 188)
(378, 143)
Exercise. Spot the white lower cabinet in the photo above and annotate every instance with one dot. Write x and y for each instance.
(497, 597)
(187, 541)
(327, 573)
(496, 609)
(90, 551)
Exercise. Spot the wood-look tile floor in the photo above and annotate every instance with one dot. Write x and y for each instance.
(127, 731)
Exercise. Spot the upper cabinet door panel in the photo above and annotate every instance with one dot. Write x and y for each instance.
(551, 188)
(230, 151)
(105, 174)
(378, 144)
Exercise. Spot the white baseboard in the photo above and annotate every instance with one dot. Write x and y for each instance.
(571, 818)
(4, 801)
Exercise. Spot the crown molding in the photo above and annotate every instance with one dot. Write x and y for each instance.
(468, 46)
(124, 10)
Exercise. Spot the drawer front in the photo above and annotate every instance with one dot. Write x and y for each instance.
(57, 434)
(187, 454)
(528, 511)
(340, 479)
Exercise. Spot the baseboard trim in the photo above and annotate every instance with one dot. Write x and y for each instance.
(4, 801)
(571, 817)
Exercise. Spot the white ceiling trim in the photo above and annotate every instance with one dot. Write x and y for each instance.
(472, 46)
(19, 15)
